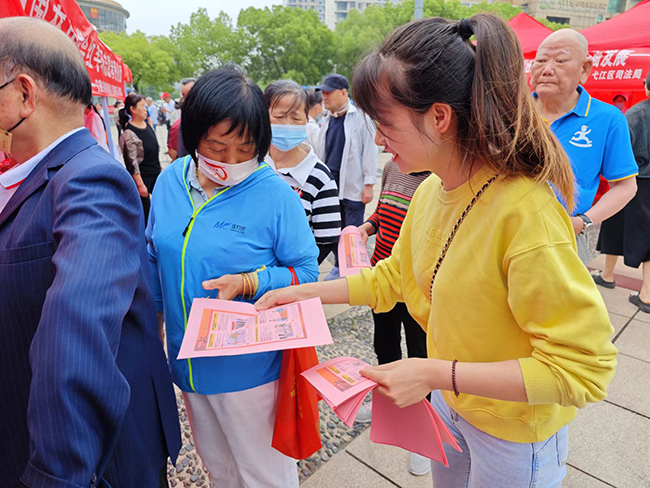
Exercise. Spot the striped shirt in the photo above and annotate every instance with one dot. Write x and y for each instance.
(397, 190)
(313, 181)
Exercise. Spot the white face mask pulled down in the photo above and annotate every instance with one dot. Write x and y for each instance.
(225, 174)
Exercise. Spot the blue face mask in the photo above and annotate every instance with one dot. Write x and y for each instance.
(287, 137)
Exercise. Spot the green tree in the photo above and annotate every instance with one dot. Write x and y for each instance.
(152, 64)
(203, 43)
(283, 42)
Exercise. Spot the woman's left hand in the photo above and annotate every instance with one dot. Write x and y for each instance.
(229, 286)
(404, 382)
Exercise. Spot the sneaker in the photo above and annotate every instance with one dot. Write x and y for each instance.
(334, 274)
(364, 415)
(419, 465)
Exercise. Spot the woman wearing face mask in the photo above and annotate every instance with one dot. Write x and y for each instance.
(223, 224)
(518, 336)
(139, 146)
(297, 163)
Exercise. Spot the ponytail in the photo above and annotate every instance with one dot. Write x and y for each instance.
(507, 126)
(433, 60)
(123, 118)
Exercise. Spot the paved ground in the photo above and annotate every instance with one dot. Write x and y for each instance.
(608, 440)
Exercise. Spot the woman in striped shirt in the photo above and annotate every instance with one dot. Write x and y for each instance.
(297, 164)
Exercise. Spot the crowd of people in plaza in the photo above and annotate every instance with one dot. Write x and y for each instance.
(485, 222)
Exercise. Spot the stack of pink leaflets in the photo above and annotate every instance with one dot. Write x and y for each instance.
(226, 328)
(353, 256)
(417, 428)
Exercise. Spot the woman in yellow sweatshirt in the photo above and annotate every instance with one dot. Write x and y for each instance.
(518, 336)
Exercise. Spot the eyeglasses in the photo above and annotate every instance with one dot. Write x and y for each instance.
(7, 84)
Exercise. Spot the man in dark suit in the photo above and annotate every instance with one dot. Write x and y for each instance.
(87, 399)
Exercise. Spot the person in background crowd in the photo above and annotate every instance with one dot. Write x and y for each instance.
(223, 224)
(167, 109)
(346, 144)
(627, 233)
(140, 149)
(594, 134)
(315, 103)
(94, 122)
(115, 118)
(397, 191)
(87, 396)
(153, 113)
(175, 144)
(523, 339)
(298, 165)
(99, 107)
(619, 102)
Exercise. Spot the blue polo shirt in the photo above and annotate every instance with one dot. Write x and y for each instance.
(596, 137)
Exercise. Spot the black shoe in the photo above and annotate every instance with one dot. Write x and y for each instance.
(643, 306)
(604, 283)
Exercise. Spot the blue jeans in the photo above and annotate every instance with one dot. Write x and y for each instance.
(489, 462)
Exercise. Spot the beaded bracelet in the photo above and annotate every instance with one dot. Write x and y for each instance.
(453, 377)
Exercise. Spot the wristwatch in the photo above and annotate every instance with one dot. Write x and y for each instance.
(588, 222)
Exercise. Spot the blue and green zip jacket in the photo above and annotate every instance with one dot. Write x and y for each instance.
(259, 222)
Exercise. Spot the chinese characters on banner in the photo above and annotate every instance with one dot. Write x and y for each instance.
(106, 70)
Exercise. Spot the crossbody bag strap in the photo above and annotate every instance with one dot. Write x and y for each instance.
(455, 230)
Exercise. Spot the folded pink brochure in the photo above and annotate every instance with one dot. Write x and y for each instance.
(353, 255)
(226, 328)
(417, 428)
(341, 386)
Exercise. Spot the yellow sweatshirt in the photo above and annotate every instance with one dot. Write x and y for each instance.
(511, 287)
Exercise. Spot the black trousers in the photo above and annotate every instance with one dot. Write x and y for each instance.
(388, 336)
(149, 182)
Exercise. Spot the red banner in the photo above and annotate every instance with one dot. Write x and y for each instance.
(106, 70)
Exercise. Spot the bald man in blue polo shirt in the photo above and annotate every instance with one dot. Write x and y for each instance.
(594, 134)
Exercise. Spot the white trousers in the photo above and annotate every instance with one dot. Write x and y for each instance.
(233, 434)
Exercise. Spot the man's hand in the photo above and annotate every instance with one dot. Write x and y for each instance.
(367, 194)
(229, 286)
(578, 224)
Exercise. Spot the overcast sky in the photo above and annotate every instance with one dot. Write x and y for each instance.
(154, 17)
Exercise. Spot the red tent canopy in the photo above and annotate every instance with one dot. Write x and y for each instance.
(530, 32)
(628, 30)
(106, 70)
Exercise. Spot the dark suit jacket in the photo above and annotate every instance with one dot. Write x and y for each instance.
(86, 397)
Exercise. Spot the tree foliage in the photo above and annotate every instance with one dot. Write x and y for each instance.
(149, 58)
(283, 42)
(203, 43)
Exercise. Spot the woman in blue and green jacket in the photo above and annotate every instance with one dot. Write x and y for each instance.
(223, 224)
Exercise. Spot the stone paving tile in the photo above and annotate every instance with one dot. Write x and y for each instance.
(643, 317)
(629, 388)
(618, 321)
(610, 443)
(578, 479)
(635, 340)
(390, 461)
(617, 302)
(346, 472)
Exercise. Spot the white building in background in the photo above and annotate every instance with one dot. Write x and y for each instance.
(331, 12)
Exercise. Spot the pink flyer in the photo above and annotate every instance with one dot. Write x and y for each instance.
(226, 328)
(353, 255)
